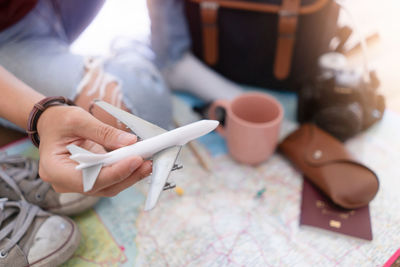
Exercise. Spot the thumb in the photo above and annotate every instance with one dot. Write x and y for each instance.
(106, 135)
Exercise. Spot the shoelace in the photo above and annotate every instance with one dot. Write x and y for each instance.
(15, 168)
(24, 214)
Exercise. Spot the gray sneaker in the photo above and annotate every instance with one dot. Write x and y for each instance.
(30, 236)
(19, 180)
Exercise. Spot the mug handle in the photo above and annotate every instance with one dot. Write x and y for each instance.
(220, 103)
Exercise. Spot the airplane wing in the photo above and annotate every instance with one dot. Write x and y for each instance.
(140, 127)
(163, 161)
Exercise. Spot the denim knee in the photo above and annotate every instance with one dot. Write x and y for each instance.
(144, 91)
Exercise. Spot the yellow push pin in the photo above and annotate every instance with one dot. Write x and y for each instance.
(179, 190)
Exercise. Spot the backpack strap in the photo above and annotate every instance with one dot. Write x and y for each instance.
(209, 17)
(287, 26)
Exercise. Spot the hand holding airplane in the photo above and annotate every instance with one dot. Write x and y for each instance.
(160, 145)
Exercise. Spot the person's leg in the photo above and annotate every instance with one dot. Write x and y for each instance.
(36, 50)
(169, 34)
(191, 75)
(129, 81)
(76, 15)
(170, 41)
(143, 87)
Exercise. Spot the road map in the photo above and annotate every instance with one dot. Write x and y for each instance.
(238, 215)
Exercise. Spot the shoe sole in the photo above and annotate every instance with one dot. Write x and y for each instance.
(64, 252)
(75, 207)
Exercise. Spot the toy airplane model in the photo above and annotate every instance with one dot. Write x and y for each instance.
(160, 145)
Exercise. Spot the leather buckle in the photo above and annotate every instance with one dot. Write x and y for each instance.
(287, 13)
(209, 5)
(209, 18)
(287, 26)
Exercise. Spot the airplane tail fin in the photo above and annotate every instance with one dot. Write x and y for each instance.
(89, 163)
(83, 157)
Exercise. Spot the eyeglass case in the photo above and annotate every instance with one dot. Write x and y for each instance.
(327, 164)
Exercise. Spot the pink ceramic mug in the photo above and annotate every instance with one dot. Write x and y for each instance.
(251, 128)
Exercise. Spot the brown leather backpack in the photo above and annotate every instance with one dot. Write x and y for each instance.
(268, 43)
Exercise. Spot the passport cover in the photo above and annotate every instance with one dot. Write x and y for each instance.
(318, 210)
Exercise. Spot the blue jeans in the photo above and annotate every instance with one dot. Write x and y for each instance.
(170, 37)
(36, 50)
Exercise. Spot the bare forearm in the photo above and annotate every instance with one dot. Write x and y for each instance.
(16, 99)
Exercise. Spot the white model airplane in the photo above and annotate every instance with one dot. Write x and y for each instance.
(160, 145)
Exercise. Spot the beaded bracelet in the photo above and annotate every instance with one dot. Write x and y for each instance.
(38, 109)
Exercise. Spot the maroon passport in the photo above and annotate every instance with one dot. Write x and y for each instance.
(319, 211)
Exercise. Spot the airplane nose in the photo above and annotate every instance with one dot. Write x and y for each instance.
(211, 125)
(195, 130)
(214, 124)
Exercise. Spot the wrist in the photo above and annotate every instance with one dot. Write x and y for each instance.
(50, 116)
(36, 113)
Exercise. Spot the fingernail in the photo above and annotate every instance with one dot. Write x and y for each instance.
(125, 138)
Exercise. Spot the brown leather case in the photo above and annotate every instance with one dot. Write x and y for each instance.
(327, 164)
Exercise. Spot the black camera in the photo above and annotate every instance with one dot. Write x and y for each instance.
(340, 100)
